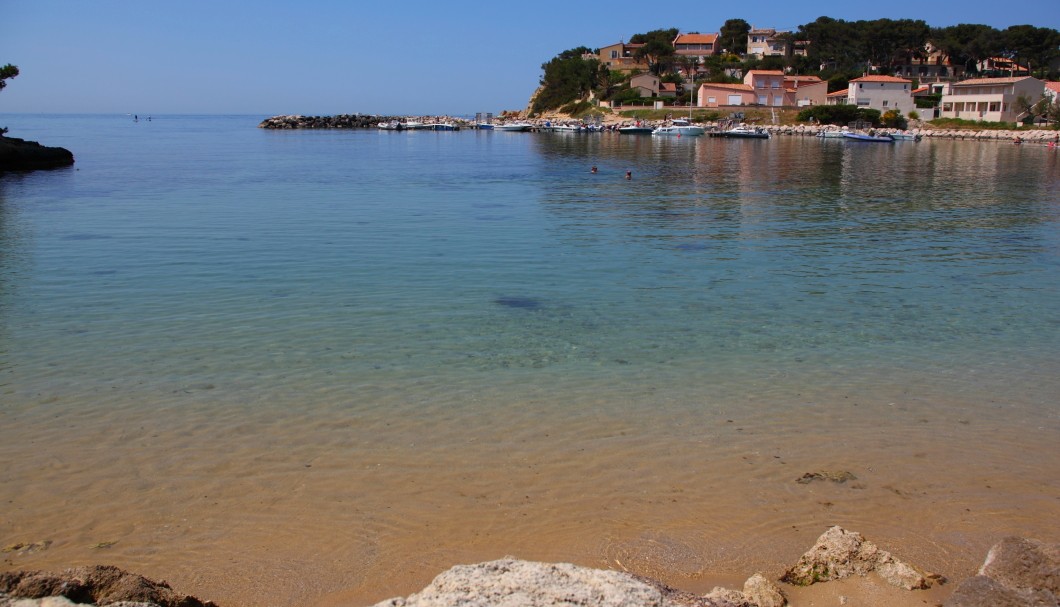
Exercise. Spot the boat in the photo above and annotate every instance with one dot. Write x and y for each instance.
(393, 125)
(744, 132)
(635, 129)
(680, 127)
(413, 125)
(904, 136)
(513, 127)
(443, 126)
(834, 134)
(869, 138)
(568, 128)
(484, 126)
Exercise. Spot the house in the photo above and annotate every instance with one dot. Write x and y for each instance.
(801, 91)
(715, 94)
(768, 43)
(990, 99)
(696, 45)
(837, 98)
(668, 89)
(1002, 66)
(647, 84)
(932, 66)
(768, 86)
(1052, 91)
(883, 93)
(619, 57)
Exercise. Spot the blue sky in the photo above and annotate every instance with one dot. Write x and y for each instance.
(331, 57)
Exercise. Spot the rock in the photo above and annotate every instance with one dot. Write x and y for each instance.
(763, 592)
(100, 584)
(839, 553)
(1016, 571)
(836, 476)
(981, 591)
(22, 155)
(513, 583)
(725, 596)
(1024, 564)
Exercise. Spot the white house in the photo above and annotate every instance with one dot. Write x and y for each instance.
(990, 99)
(883, 93)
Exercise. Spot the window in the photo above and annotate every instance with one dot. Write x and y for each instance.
(712, 99)
(884, 103)
(614, 54)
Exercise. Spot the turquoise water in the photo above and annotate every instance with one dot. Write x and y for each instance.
(206, 276)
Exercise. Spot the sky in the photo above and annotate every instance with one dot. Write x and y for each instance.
(324, 57)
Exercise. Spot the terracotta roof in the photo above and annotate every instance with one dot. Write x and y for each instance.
(881, 79)
(801, 81)
(922, 89)
(982, 81)
(695, 39)
(668, 86)
(842, 93)
(725, 85)
(1053, 86)
(766, 72)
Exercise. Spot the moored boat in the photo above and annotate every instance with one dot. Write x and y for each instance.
(679, 128)
(744, 132)
(513, 127)
(868, 138)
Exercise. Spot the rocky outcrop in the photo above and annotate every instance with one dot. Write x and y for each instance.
(100, 585)
(513, 583)
(343, 121)
(1017, 573)
(22, 155)
(839, 554)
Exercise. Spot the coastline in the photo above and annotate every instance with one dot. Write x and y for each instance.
(612, 121)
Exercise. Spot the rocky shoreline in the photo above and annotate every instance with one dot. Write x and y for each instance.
(22, 155)
(1017, 572)
(361, 121)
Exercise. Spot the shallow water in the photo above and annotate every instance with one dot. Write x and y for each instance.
(288, 368)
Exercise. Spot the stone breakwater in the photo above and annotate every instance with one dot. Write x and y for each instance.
(1031, 136)
(346, 121)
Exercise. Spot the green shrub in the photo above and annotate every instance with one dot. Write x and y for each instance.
(839, 114)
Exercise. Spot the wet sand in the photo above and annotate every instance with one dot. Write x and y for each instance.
(326, 505)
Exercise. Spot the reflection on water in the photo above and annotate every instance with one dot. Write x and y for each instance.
(358, 358)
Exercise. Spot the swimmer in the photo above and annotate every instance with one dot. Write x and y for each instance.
(629, 174)
(592, 170)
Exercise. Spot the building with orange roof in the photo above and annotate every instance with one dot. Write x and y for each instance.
(837, 98)
(716, 94)
(1052, 91)
(883, 93)
(768, 86)
(990, 99)
(696, 45)
(801, 91)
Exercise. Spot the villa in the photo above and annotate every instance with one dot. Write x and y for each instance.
(883, 93)
(990, 99)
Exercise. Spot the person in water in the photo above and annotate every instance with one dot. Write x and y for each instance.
(629, 174)
(592, 170)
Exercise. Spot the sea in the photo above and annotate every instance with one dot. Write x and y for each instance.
(319, 367)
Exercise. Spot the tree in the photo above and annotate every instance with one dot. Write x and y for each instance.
(567, 77)
(733, 36)
(6, 72)
(658, 49)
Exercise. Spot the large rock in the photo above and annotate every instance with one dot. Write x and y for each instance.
(513, 583)
(1018, 573)
(101, 585)
(763, 592)
(21, 155)
(839, 554)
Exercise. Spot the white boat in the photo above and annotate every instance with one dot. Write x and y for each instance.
(393, 125)
(568, 128)
(514, 127)
(680, 128)
(414, 126)
(904, 136)
(838, 134)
